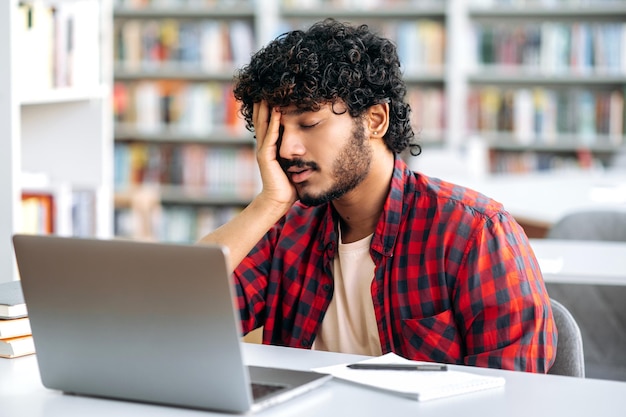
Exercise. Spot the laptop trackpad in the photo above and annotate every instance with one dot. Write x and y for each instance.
(269, 382)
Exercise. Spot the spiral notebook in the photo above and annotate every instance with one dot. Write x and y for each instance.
(418, 385)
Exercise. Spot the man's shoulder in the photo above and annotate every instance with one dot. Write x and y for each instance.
(449, 195)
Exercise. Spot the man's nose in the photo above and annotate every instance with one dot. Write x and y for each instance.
(290, 143)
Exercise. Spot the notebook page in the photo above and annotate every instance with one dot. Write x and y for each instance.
(419, 385)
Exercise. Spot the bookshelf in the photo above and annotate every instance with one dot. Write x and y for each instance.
(451, 86)
(177, 128)
(546, 83)
(56, 145)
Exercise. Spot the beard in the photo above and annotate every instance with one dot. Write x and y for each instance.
(349, 169)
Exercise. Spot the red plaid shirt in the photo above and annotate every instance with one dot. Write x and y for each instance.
(455, 279)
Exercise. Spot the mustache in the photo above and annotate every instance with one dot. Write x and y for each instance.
(298, 163)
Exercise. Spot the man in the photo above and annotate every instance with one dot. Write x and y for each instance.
(346, 249)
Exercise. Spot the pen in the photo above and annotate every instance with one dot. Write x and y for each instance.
(399, 367)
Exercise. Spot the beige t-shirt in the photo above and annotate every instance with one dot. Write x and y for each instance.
(349, 325)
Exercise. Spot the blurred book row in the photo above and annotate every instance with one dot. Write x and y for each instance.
(576, 116)
(428, 113)
(169, 223)
(217, 171)
(551, 47)
(504, 162)
(59, 210)
(421, 43)
(207, 44)
(202, 108)
(185, 107)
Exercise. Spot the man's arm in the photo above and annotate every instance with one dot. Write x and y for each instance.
(505, 303)
(276, 197)
(241, 233)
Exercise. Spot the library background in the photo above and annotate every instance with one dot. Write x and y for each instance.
(117, 117)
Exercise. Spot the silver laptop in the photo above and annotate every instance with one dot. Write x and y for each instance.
(147, 322)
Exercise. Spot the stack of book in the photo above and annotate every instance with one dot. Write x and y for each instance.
(15, 334)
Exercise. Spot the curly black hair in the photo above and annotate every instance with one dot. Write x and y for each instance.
(328, 62)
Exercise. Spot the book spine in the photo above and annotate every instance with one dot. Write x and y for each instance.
(14, 328)
(17, 347)
(38, 213)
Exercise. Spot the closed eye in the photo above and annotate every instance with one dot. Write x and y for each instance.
(309, 126)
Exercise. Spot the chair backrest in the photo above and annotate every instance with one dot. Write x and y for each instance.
(570, 360)
(607, 225)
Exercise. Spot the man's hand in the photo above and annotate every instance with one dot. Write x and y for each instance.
(277, 189)
(244, 231)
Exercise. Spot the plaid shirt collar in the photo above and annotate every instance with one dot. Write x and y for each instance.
(388, 226)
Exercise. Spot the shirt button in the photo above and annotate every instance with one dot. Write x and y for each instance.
(326, 287)
(305, 342)
(329, 246)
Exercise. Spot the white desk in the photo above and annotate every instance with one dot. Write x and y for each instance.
(525, 395)
(581, 262)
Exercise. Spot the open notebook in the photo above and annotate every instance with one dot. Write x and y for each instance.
(421, 386)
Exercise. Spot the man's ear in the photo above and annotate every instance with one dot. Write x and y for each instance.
(378, 120)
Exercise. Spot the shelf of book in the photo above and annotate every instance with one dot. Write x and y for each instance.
(172, 213)
(48, 209)
(563, 143)
(179, 142)
(213, 170)
(499, 72)
(546, 83)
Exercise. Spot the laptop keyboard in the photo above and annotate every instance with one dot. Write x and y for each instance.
(260, 390)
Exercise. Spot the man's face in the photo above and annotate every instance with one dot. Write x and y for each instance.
(324, 153)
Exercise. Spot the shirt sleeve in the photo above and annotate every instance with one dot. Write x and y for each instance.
(502, 301)
(251, 281)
